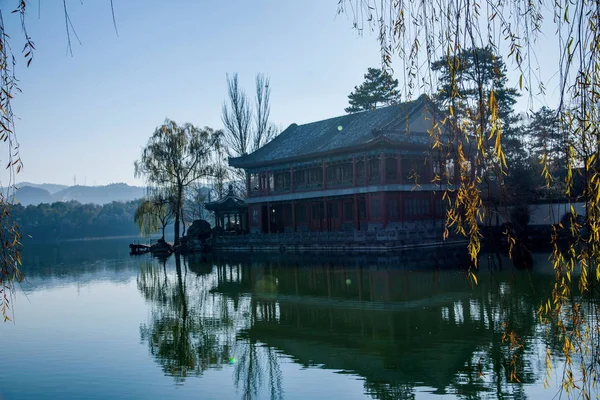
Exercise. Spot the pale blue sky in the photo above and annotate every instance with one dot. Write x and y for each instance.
(89, 115)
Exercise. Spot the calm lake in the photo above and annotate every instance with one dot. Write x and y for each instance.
(92, 322)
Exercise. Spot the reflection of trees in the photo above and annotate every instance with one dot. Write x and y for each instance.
(192, 329)
(400, 330)
(171, 332)
(255, 364)
(153, 282)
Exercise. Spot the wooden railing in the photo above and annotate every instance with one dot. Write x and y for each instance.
(381, 236)
(340, 183)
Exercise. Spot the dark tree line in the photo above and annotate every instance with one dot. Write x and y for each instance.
(73, 220)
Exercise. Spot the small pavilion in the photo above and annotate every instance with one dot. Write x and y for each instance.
(231, 212)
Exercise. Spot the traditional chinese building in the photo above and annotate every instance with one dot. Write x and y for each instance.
(231, 213)
(371, 170)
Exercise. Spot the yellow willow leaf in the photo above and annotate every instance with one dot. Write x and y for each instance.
(590, 161)
(521, 82)
(474, 278)
(503, 159)
(492, 102)
(498, 143)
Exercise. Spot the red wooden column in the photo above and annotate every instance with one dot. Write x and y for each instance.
(325, 214)
(248, 188)
(384, 209)
(292, 180)
(356, 213)
(294, 216)
(266, 187)
(268, 217)
(324, 175)
(353, 171)
(400, 174)
(367, 209)
(382, 169)
(401, 207)
(400, 180)
(267, 182)
(366, 170)
(260, 184)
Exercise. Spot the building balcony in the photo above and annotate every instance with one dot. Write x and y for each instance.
(342, 183)
(281, 190)
(308, 187)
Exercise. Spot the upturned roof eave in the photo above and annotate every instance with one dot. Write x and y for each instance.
(215, 205)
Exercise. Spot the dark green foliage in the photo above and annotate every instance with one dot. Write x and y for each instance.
(521, 185)
(547, 139)
(73, 220)
(469, 77)
(477, 70)
(379, 89)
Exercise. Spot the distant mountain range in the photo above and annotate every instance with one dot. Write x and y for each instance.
(50, 187)
(32, 193)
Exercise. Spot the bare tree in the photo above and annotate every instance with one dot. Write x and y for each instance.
(265, 130)
(247, 127)
(237, 118)
(195, 197)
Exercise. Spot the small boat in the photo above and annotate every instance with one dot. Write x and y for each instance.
(136, 249)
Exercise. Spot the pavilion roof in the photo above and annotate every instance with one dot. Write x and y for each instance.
(404, 124)
(230, 202)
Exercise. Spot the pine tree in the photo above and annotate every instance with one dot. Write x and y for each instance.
(547, 139)
(471, 75)
(379, 89)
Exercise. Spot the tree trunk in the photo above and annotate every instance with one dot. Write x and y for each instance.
(183, 220)
(176, 243)
(178, 207)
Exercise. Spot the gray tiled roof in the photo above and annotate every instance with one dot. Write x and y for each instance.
(399, 123)
(228, 203)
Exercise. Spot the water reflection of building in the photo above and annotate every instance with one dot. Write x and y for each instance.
(396, 329)
(400, 329)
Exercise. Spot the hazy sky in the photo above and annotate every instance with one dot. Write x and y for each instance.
(89, 115)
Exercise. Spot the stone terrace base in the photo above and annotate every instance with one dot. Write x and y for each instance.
(346, 242)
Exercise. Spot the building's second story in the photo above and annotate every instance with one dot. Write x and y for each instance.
(390, 146)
